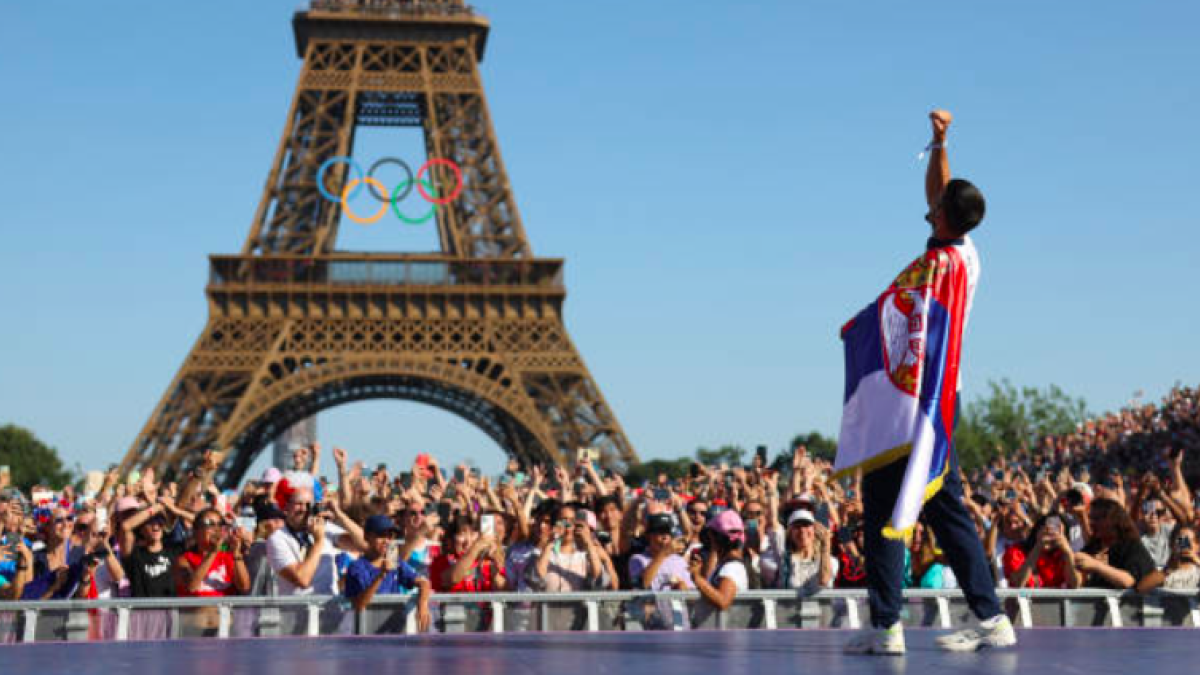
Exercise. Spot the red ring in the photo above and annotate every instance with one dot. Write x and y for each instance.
(442, 201)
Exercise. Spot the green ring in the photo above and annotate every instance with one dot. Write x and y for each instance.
(396, 208)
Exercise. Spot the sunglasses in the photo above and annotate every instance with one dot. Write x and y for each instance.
(64, 519)
(754, 514)
(698, 512)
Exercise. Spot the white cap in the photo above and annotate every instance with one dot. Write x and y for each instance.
(801, 516)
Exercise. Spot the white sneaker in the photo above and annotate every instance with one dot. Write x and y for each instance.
(878, 641)
(995, 632)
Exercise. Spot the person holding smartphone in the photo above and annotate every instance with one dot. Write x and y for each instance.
(216, 564)
(378, 572)
(1044, 559)
(1183, 568)
(569, 557)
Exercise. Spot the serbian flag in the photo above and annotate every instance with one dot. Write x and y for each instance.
(902, 355)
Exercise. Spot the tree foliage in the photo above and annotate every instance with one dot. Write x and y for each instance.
(30, 461)
(726, 454)
(1008, 419)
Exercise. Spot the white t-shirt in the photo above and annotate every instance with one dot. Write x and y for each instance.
(284, 549)
(732, 569)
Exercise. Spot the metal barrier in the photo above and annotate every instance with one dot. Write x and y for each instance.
(168, 618)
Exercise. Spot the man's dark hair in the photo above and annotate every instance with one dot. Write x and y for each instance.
(963, 205)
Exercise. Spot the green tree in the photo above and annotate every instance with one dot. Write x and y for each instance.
(31, 461)
(817, 444)
(1008, 419)
(726, 454)
(650, 469)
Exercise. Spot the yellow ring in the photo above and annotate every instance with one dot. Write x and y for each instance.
(382, 207)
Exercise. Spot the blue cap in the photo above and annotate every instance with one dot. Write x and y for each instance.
(379, 524)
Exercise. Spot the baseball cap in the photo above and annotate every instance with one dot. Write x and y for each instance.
(801, 516)
(587, 517)
(659, 523)
(127, 504)
(379, 524)
(728, 523)
(271, 475)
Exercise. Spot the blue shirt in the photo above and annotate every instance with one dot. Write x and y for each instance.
(361, 574)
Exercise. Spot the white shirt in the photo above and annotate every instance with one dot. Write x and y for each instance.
(970, 258)
(284, 550)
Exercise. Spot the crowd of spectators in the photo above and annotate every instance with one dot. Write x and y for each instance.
(1107, 506)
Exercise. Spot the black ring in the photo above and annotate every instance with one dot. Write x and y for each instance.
(408, 184)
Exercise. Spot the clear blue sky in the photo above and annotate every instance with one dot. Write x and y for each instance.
(728, 181)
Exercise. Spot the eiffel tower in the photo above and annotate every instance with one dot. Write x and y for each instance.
(296, 326)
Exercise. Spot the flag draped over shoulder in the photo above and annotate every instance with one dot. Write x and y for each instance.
(902, 356)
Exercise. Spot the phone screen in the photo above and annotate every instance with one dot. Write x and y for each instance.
(487, 525)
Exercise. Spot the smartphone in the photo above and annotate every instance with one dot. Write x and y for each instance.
(761, 453)
(247, 523)
(851, 494)
(444, 512)
(845, 535)
(4, 468)
(393, 553)
(1010, 495)
(662, 495)
(487, 525)
(406, 480)
(460, 475)
(1183, 542)
(694, 471)
(519, 478)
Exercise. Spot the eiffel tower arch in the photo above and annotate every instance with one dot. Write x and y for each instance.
(296, 326)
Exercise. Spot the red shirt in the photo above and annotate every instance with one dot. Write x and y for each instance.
(218, 582)
(1050, 569)
(478, 580)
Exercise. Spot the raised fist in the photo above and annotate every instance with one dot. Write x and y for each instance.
(940, 119)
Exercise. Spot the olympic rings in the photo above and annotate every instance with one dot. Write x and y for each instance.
(424, 184)
(399, 162)
(407, 185)
(458, 178)
(325, 167)
(346, 207)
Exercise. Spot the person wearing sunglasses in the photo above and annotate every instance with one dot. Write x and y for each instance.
(216, 564)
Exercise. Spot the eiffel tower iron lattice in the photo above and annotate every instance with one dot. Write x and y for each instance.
(296, 327)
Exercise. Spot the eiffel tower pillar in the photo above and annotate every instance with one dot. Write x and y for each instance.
(296, 326)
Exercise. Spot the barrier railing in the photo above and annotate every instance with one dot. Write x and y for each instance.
(168, 618)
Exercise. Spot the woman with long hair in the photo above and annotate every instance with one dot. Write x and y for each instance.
(469, 563)
(215, 565)
(1183, 567)
(1044, 559)
(717, 569)
(1114, 556)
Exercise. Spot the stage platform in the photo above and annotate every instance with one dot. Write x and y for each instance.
(782, 652)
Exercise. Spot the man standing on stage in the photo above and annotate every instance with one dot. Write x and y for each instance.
(903, 354)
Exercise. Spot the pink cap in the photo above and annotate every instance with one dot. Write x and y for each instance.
(127, 504)
(588, 516)
(729, 523)
(271, 475)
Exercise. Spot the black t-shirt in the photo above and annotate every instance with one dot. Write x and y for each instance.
(1130, 556)
(151, 574)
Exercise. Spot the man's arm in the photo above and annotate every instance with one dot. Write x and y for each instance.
(937, 176)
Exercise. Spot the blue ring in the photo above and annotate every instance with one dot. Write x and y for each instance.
(325, 167)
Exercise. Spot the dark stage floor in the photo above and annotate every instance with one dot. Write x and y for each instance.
(783, 652)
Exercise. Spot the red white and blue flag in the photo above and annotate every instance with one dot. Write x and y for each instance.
(902, 356)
